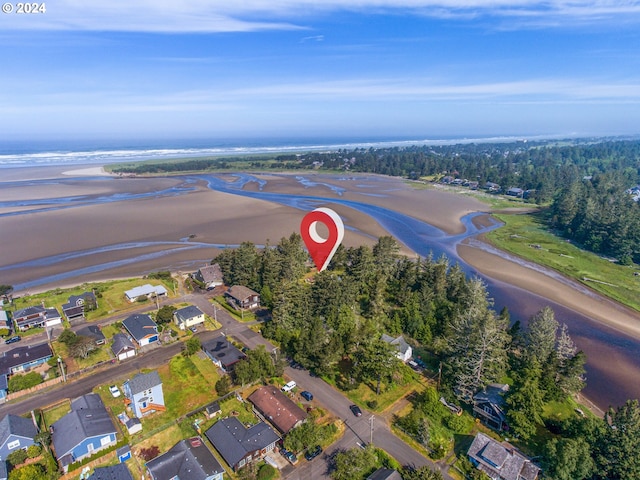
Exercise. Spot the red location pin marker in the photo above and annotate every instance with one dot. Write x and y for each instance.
(322, 249)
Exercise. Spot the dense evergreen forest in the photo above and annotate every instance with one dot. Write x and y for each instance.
(584, 184)
(331, 323)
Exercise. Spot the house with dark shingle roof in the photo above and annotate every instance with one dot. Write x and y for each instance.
(187, 460)
(500, 461)
(384, 474)
(142, 329)
(211, 276)
(144, 394)
(241, 298)
(189, 316)
(223, 353)
(36, 316)
(277, 408)
(239, 445)
(488, 406)
(85, 430)
(15, 433)
(122, 347)
(113, 472)
(93, 332)
(24, 358)
(74, 309)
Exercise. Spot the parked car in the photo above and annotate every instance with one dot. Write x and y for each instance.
(289, 456)
(12, 340)
(194, 329)
(355, 409)
(289, 386)
(313, 453)
(308, 396)
(115, 391)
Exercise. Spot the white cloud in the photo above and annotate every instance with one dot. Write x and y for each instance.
(252, 15)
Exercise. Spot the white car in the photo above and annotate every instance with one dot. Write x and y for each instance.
(289, 386)
(115, 391)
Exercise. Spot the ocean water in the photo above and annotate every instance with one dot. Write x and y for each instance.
(15, 154)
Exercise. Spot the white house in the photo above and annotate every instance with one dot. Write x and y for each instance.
(188, 317)
(404, 349)
(147, 291)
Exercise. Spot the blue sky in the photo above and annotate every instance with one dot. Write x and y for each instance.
(120, 69)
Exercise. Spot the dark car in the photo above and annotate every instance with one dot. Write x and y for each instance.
(355, 409)
(289, 456)
(12, 339)
(308, 396)
(313, 453)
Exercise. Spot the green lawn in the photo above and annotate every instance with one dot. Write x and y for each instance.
(56, 413)
(526, 236)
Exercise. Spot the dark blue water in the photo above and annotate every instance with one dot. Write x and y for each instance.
(602, 344)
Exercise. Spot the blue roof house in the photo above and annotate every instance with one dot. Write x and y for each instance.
(15, 433)
(144, 394)
(87, 429)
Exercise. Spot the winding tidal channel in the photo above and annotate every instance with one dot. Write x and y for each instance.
(613, 365)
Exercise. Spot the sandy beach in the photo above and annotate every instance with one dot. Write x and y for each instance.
(75, 224)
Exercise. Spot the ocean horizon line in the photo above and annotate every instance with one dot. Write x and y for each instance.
(16, 155)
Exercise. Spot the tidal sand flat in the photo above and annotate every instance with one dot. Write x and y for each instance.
(68, 230)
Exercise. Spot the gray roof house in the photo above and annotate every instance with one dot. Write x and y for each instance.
(211, 276)
(404, 350)
(488, 406)
(86, 429)
(93, 332)
(75, 307)
(188, 317)
(3, 471)
(500, 462)
(15, 433)
(187, 460)
(24, 358)
(122, 347)
(142, 328)
(384, 474)
(144, 393)
(240, 445)
(114, 472)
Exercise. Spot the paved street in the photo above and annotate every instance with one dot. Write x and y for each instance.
(358, 430)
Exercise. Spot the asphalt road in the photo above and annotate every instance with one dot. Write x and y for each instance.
(358, 429)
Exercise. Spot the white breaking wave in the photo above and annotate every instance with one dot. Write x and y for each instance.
(56, 158)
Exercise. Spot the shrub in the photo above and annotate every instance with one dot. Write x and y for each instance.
(17, 458)
(266, 472)
(372, 404)
(22, 382)
(149, 453)
(33, 451)
(4, 332)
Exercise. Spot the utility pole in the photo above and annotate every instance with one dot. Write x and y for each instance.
(439, 376)
(64, 376)
(371, 418)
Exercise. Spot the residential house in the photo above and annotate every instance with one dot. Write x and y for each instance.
(146, 291)
(24, 358)
(87, 429)
(223, 353)
(144, 394)
(36, 316)
(187, 460)
(142, 329)
(113, 472)
(15, 433)
(4, 475)
(500, 461)
(122, 347)
(488, 406)
(211, 276)
(277, 408)
(492, 187)
(94, 333)
(404, 350)
(213, 410)
(188, 317)
(385, 474)
(242, 298)
(515, 192)
(239, 445)
(76, 305)
(5, 321)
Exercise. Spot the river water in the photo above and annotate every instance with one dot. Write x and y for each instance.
(613, 367)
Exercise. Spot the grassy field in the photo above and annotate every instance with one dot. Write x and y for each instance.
(526, 236)
(54, 414)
